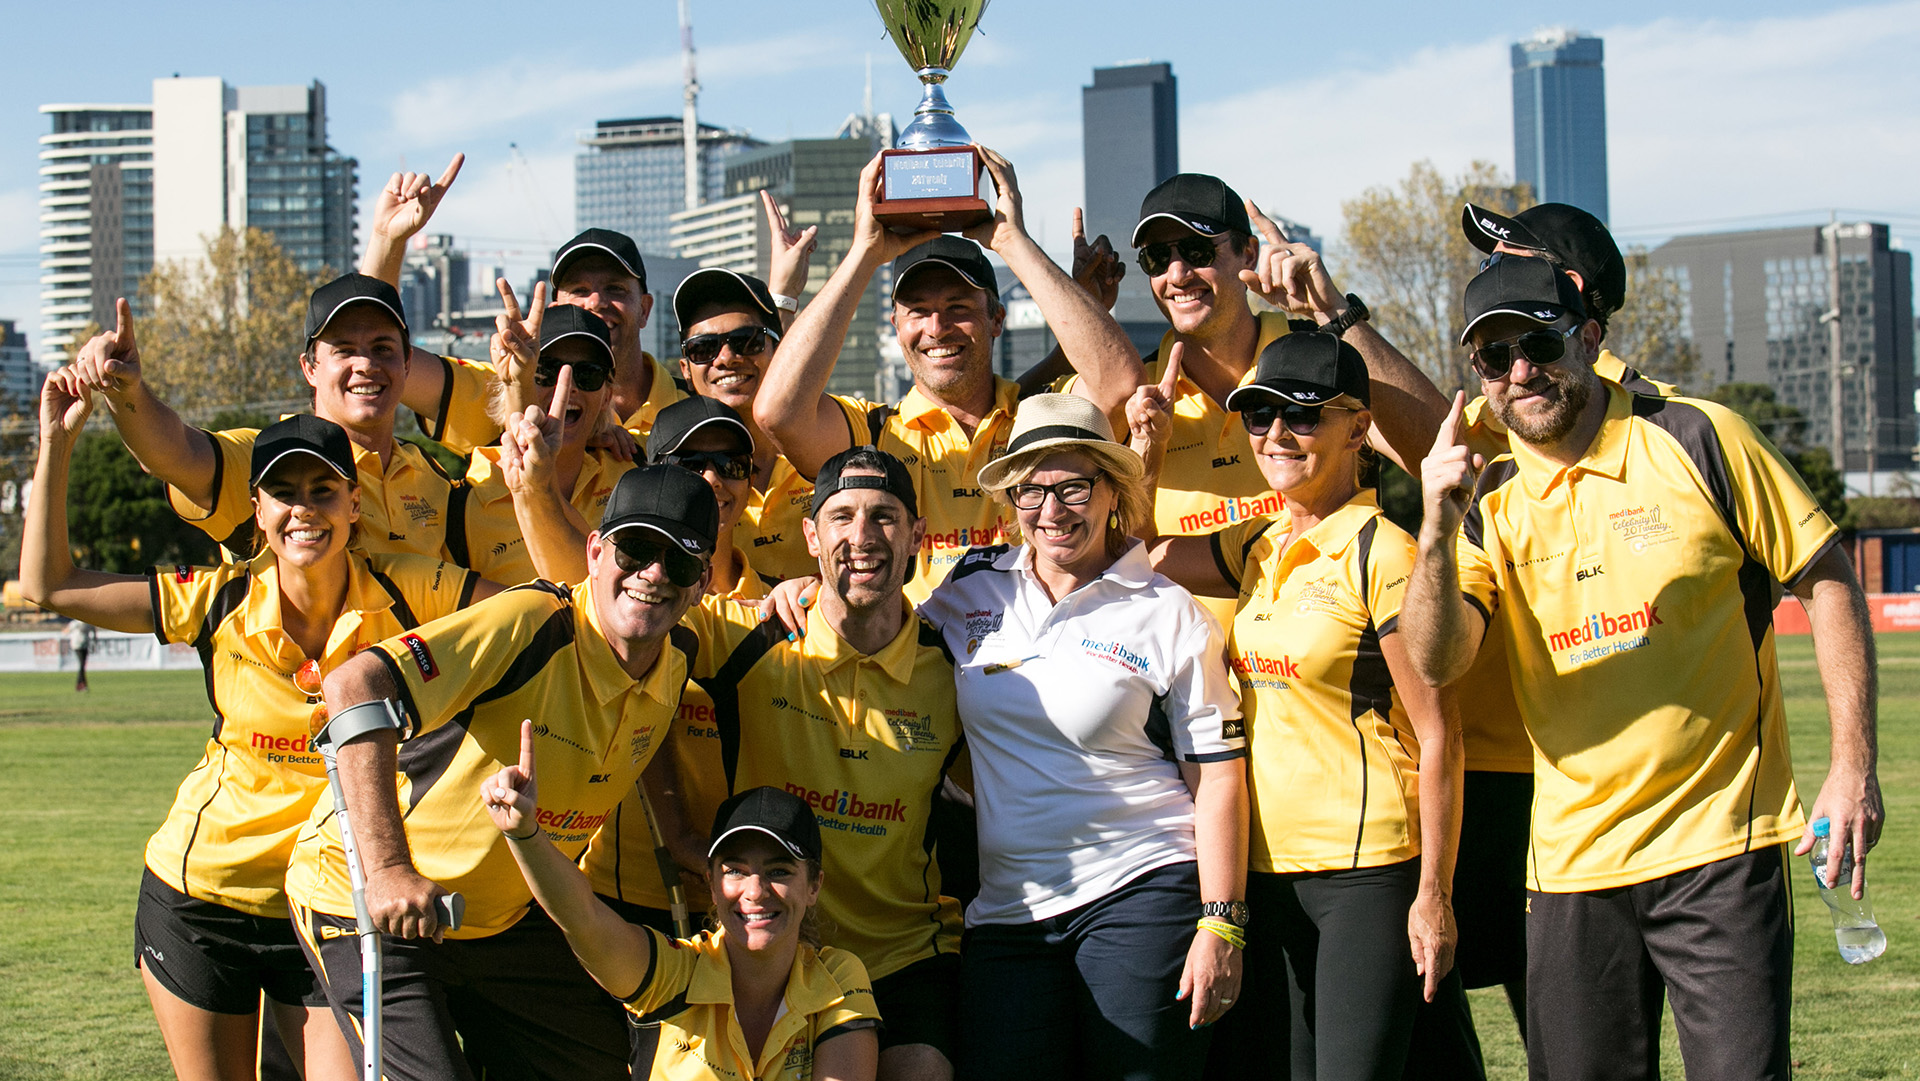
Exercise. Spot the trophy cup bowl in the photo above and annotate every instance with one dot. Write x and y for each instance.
(931, 176)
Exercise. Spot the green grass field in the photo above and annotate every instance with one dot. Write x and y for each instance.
(91, 776)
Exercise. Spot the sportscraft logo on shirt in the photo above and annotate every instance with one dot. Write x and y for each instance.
(839, 805)
(1606, 633)
(1228, 511)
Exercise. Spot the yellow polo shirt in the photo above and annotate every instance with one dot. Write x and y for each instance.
(463, 425)
(535, 651)
(1334, 762)
(1633, 593)
(1490, 726)
(486, 536)
(688, 990)
(865, 741)
(620, 861)
(230, 832)
(403, 506)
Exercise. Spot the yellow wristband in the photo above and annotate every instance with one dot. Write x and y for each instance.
(1226, 932)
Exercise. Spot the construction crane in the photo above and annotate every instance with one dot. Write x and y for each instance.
(690, 116)
(543, 216)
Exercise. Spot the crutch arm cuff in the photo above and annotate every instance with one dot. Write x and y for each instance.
(365, 719)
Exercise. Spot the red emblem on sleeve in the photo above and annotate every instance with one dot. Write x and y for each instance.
(182, 573)
(422, 656)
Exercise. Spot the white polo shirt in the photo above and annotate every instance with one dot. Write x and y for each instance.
(1076, 715)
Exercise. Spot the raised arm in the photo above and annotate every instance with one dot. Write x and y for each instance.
(1407, 408)
(1843, 650)
(617, 954)
(163, 444)
(48, 577)
(1099, 351)
(1442, 630)
(401, 210)
(793, 405)
(792, 251)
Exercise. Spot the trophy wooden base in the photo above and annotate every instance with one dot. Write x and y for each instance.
(931, 189)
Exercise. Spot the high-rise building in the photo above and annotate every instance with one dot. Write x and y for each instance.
(729, 233)
(1755, 308)
(633, 175)
(96, 214)
(20, 377)
(250, 157)
(817, 182)
(434, 279)
(1130, 135)
(1560, 119)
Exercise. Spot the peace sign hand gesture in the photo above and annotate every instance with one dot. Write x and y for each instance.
(792, 250)
(515, 345)
(1150, 414)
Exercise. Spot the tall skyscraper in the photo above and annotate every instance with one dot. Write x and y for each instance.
(1130, 135)
(250, 157)
(20, 377)
(96, 214)
(633, 175)
(1755, 303)
(1560, 119)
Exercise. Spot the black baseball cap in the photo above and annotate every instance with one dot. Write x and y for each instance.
(780, 815)
(1573, 236)
(303, 434)
(718, 285)
(1529, 288)
(667, 500)
(1200, 202)
(672, 425)
(619, 246)
(1309, 368)
(956, 253)
(564, 322)
(896, 479)
(329, 299)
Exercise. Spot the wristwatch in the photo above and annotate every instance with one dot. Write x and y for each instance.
(1356, 312)
(1234, 912)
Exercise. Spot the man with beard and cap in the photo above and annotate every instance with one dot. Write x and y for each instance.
(1626, 555)
(947, 312)
(422, 718)
(855, 715)
(356, 360)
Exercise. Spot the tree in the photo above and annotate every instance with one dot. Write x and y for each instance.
(118, 519)
(226, 331)
(1650, 330)
(1785, 427)
(1404, 252)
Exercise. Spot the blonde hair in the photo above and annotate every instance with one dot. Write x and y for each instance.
(499, 413)
(1133, 507)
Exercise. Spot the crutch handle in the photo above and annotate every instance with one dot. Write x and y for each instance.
(453, 909)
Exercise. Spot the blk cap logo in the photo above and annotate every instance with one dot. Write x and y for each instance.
(1489, 226)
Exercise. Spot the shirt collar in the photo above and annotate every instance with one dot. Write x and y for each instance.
(1606, 456)
(1329, 536)
(603, 671)
(811, 987)
(918, 410)
(364, 594)
(662, 393)
(1273, 326)
(824, 646)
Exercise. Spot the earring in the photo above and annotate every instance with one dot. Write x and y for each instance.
(1113, 519)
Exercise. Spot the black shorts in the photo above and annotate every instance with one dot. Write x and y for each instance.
(1717, 940)
(921, 1004)
(512, 1005)
(1490, 877)
(218, 958)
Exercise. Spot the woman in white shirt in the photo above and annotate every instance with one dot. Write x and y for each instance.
(1108, 773)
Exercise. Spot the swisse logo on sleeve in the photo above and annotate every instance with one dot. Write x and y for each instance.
(422, 656)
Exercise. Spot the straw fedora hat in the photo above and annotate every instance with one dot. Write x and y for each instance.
(1048, 423)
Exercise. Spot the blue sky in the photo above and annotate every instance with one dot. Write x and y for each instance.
(1721, 115)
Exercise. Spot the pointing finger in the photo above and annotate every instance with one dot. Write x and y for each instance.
(1170, 382)
(453, 171)
(1450, 428)
(1268, 230)
(526, 748)
(562, 394)
(1079, 228)
(123, 324)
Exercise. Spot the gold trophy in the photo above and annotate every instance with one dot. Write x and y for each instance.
(931, 177)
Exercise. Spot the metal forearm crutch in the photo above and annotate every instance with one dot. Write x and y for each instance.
(351, 724)
(669, 870)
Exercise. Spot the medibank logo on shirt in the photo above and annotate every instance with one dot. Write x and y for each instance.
(843, 804)
(1119, 654)
(569, 825)
(964, 537)
(1229, 511)
(1604, 629)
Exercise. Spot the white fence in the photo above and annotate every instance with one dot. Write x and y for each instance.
(47, 652)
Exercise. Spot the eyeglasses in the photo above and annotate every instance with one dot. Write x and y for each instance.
(1195, 251)
(1299, 419)
(632, 555)
(1072, 492)
(724, 466)
(586, 377)
(1495, 359)
(704, 349)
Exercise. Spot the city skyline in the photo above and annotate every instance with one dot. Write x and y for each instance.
(1423, 85)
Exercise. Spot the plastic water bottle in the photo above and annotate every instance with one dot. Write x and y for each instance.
(1860, 938)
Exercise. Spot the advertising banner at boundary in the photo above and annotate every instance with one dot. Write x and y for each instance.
(1890, 612)
(112, 650)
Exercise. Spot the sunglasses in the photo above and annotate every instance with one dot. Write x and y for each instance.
(586, 377)
(1072, 492)
(1495, 359)
(724, 466)
(1195, 251)
(1299, 419)
(704, 349)
(632, 555)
